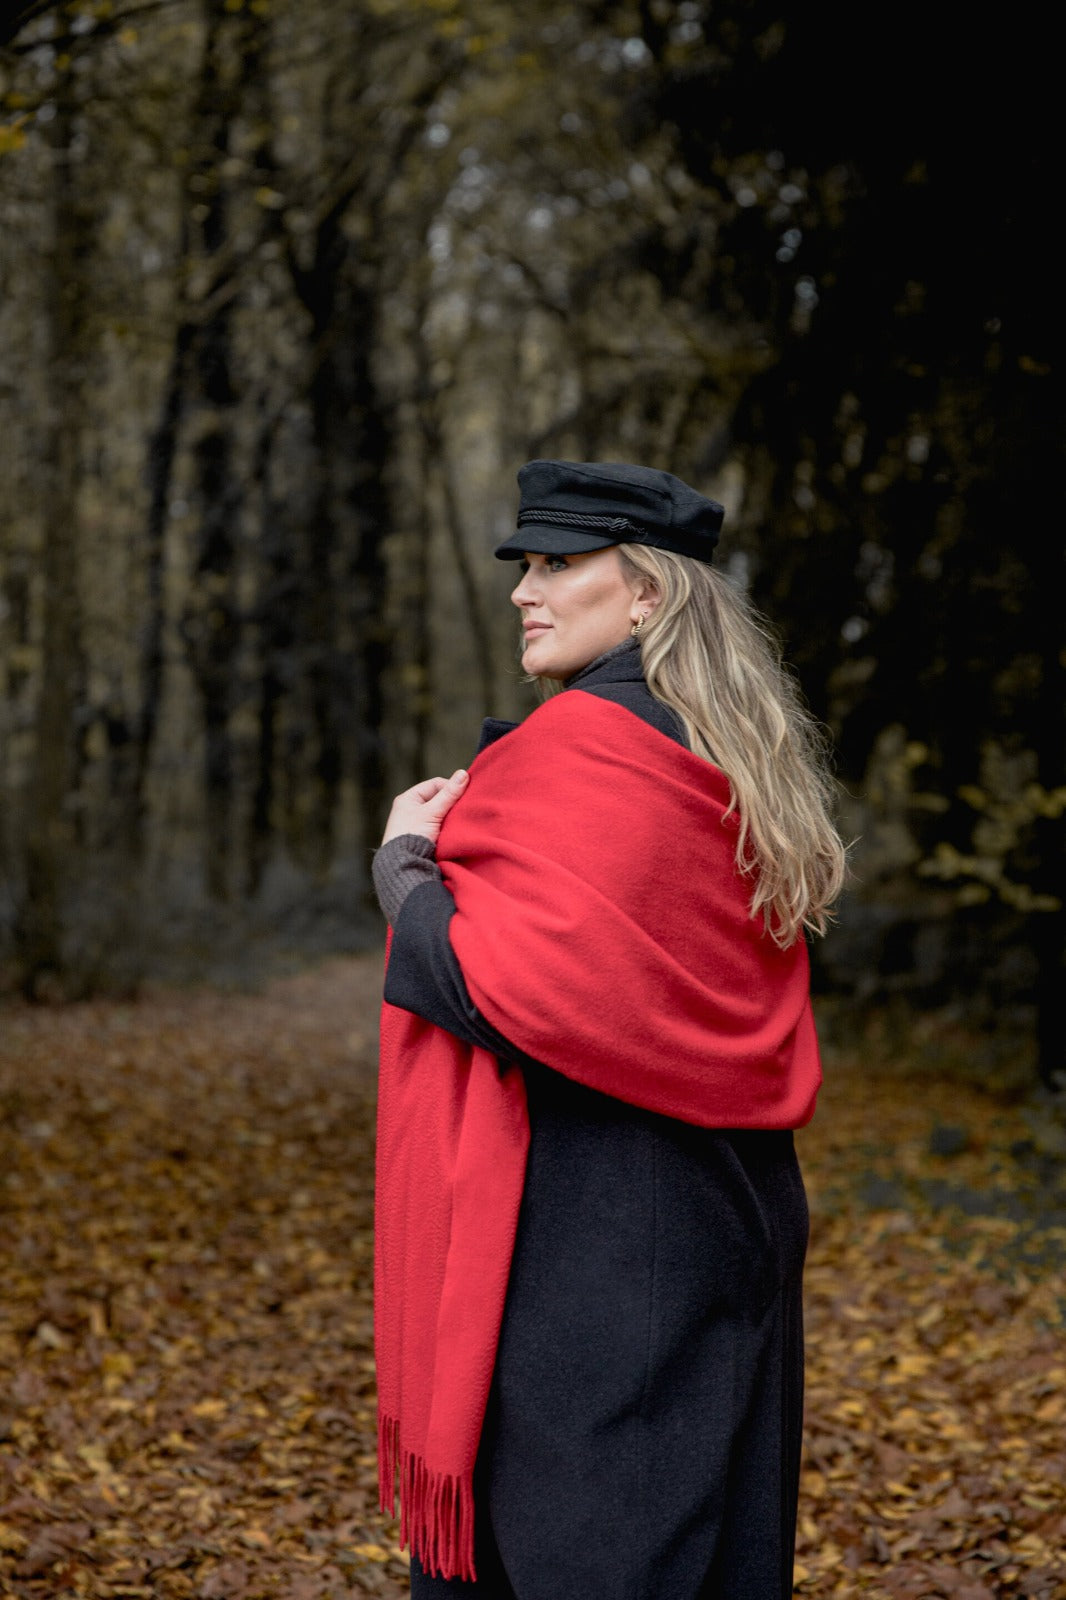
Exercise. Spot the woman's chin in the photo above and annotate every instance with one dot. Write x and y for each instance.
(535, 661)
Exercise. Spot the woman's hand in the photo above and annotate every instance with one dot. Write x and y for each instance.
(423, 808)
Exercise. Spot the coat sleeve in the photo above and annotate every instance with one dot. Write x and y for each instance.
(424, 975)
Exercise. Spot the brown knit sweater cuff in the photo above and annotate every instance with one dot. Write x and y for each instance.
(400, 866)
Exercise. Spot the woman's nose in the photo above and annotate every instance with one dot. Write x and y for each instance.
(520, 595)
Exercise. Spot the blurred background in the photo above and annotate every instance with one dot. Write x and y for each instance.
(290, 289)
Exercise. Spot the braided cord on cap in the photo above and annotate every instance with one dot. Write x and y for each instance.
(591, 521)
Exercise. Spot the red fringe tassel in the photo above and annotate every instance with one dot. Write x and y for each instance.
(436, 1508)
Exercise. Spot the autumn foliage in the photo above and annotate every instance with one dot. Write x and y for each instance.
(186, 1376)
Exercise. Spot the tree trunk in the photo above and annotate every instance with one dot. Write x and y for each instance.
(51, 840)
(212, 625)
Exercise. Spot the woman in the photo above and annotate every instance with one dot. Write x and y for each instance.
(596, 1041)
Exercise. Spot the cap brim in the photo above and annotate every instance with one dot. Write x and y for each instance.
(544, 540)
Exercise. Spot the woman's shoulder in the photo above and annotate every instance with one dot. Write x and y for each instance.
(638, 698)
(608, 717)
(493, 729)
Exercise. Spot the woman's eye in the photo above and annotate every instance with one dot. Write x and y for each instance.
(544, 564)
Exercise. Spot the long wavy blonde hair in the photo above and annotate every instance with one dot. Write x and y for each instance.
(711, 657)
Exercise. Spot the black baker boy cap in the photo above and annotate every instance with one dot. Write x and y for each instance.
(567, 507)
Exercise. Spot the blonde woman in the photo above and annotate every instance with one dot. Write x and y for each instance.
(596, 1042)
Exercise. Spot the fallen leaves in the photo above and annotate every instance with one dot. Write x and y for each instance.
(186, 1373)
(935, 1457)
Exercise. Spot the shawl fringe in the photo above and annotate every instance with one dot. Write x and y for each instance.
(436, 1508)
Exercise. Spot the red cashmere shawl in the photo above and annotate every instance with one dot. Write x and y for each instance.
(603, 928)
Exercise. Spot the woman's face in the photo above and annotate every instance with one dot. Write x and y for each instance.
(573, 609)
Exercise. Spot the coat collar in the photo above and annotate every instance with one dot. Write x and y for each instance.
(621, 664)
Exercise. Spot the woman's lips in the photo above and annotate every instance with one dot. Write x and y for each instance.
(530, 628)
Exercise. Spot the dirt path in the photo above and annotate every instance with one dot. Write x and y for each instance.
(186, 1382)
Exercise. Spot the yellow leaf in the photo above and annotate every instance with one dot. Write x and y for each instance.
(372, 1552)
(11, 1540)
(94, 1456)
(913, 1366)
(209, 1408)
(1032, 1547)
(975, 797)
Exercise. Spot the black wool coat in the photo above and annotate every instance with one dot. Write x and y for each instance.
(642, 1440)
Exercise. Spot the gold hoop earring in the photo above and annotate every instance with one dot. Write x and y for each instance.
(635, 629)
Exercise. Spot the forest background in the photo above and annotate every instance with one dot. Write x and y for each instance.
(289, 292)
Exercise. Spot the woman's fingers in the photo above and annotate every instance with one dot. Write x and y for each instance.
(429, 788)
(422, 808)
(450, 790)
(424, 791)
(445, 796)
(437, 792)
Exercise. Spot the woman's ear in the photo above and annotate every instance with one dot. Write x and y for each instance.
(646, 598)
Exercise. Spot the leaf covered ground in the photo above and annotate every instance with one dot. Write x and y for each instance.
(186, 1375)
